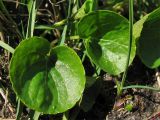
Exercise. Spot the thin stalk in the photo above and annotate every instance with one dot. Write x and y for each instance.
(36, 115)
(130, 44)
(64, 35)
(141, 87)
(65, 115)
(31, 19)
(23, 32)
(66, 26)
(19, 110)
(84, 56)
(56, 25)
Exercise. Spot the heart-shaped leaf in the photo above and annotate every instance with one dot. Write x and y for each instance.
(49, 80)
(107, 38)
(147, 33)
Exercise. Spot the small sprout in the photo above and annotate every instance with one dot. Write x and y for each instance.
(129, 107)
(122, 103)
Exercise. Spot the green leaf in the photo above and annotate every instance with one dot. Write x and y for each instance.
(48, 80)
(88, 6)
(129, 107)
(138, 26)
(147, 31)
(106, 36)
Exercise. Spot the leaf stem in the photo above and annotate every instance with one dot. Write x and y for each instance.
(54, 26)
(19, 110)
(66, 26)
(31, 19)
(130, 45)
(141, 87)
(63, 35)
(36, 115)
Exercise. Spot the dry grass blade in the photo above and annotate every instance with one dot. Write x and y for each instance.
(6, 46)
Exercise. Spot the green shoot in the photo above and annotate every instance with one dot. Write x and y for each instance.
(66, 26)
(31, 19)
(130, 46)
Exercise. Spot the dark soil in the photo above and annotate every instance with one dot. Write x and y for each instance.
(7, 97)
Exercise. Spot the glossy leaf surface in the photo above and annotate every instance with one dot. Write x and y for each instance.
(148, 39)
(106, 36)
(49, 80)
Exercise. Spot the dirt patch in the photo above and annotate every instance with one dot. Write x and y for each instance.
(7, 97)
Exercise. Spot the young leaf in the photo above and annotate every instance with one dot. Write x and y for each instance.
(106, 36)
(48, 80)
(88, 6)
(147, 33)
(33, 6)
